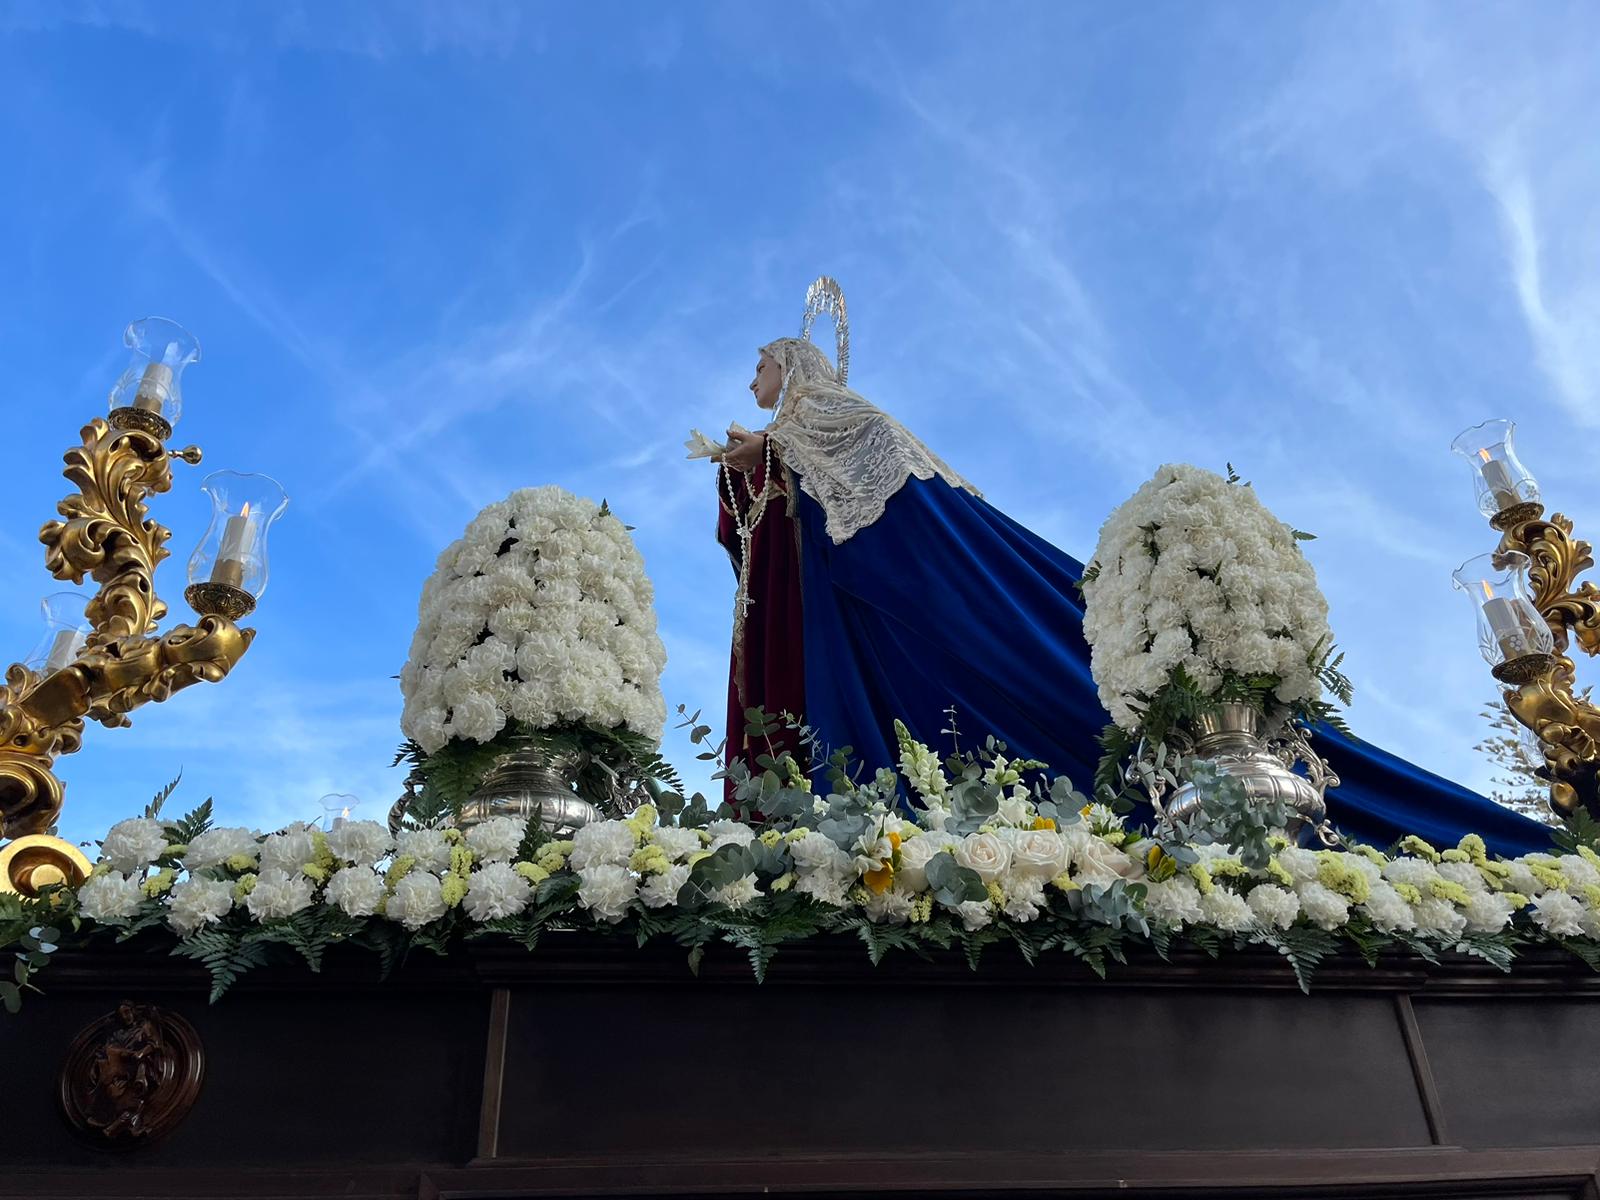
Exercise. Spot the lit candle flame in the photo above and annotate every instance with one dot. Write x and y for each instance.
(1488, 592)
(346, 811)
(245, 511)
(1483, 454)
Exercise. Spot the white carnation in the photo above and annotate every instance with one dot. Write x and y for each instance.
(1322, 906)
(418, 899)
(1172, 903)
(278, 894)
(1024, 898)
(496, 891)
(1439, 917)
(360, 842)
(1558, 914)
(357, 891)
(737, 894)
(288, 851)
(216, 846)
(133, 844)
(497, 839)
(661, 891)
(1225, 910)
(676, 843)
(110, 896)
(730, 833)
(1387, 910)
(603, 843)
(198, 902)
(1274, 907)
(975, 914)
(1488, 912)
(428, 847)
(607, 890)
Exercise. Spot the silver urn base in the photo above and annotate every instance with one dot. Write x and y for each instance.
(529, 782)
(1234, 739)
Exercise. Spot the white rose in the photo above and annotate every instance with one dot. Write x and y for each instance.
(357, 890)
(133, 844)
(198, 902)
(984, 853)
(603, 843)
(288, 851)
(1039, 854)
(497, 839)
(359, 842)
(496, 891)
(278, 894)
(216, 846)
(1092, 859)
(417, 899)
(607, 890)
(111, 896)
(427, 846)
(915, 855)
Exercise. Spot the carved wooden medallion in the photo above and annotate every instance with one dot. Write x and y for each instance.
(132, 1076)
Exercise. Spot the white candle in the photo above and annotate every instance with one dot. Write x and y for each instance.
(63, 650)
(238, 544)
(1501, 485)
(1510, 629)
(154, 386)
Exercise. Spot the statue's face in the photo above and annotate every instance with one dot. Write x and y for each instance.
(768, 381)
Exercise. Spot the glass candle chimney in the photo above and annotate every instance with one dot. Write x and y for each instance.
(149, 393)
(228, 569)
(1500, 479)
(337, 808)
(1509, 625)
(65, 631)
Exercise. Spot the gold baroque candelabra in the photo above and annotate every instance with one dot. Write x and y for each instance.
(119, 661)
(1531, 609)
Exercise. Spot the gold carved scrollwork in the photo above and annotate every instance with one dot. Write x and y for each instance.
(1567, 724)
(106, 534)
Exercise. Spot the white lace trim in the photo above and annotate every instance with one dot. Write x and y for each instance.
(851, 456)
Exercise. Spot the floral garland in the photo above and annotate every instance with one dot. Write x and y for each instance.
(1194, 579)
(991, 852)
(540, 615)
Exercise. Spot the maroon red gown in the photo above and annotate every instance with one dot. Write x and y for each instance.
(768, 665)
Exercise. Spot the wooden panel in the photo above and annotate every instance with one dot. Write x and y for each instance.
(931, 1070)
(1515, 1072)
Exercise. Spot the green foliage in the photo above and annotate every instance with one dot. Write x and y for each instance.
(223, 953)
(1305, 946)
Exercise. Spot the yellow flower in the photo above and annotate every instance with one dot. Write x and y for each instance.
(1279, 874)
(879, 880)
(177, 850)
(1375, 857)
(1475, 850)
(246, 885)
(314, 873)
(1591, 894)
(1043, 823)
(453, 890)
(643, 820)
(782, 883)
(1495, 874)
(1415, 845)
(1227, 868)
(324, 857)
(1455, 856)
(770, 838)
(1064, 883)
(697, 856)
(1445, 889)
(452, 835)
(1547, 873)
(650, 860)
(1339, 876)
(1408, 892)
(1589, 856)
(922, 908)
(239, 862)
(460, 860)
(997, 894)
(159, 883)
(1159, 864)
(1517, 899)
(398, 870)
(531, 872)
(1201, 877)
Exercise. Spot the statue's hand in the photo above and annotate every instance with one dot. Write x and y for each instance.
(744, 450)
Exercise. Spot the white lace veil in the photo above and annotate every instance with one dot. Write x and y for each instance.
(850, 456)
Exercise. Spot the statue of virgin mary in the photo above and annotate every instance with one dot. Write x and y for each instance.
(876, 583)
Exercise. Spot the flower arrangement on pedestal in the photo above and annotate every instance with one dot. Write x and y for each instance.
(536, 627)
(1200, 606)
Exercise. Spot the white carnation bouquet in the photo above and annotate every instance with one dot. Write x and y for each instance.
(1197, 594)
(539, 622)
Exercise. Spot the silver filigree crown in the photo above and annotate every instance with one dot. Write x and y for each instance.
(826, 296)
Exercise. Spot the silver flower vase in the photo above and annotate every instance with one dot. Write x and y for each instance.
(528, 781)
(1261, 755)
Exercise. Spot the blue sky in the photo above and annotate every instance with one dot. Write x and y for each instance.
(435, 252)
